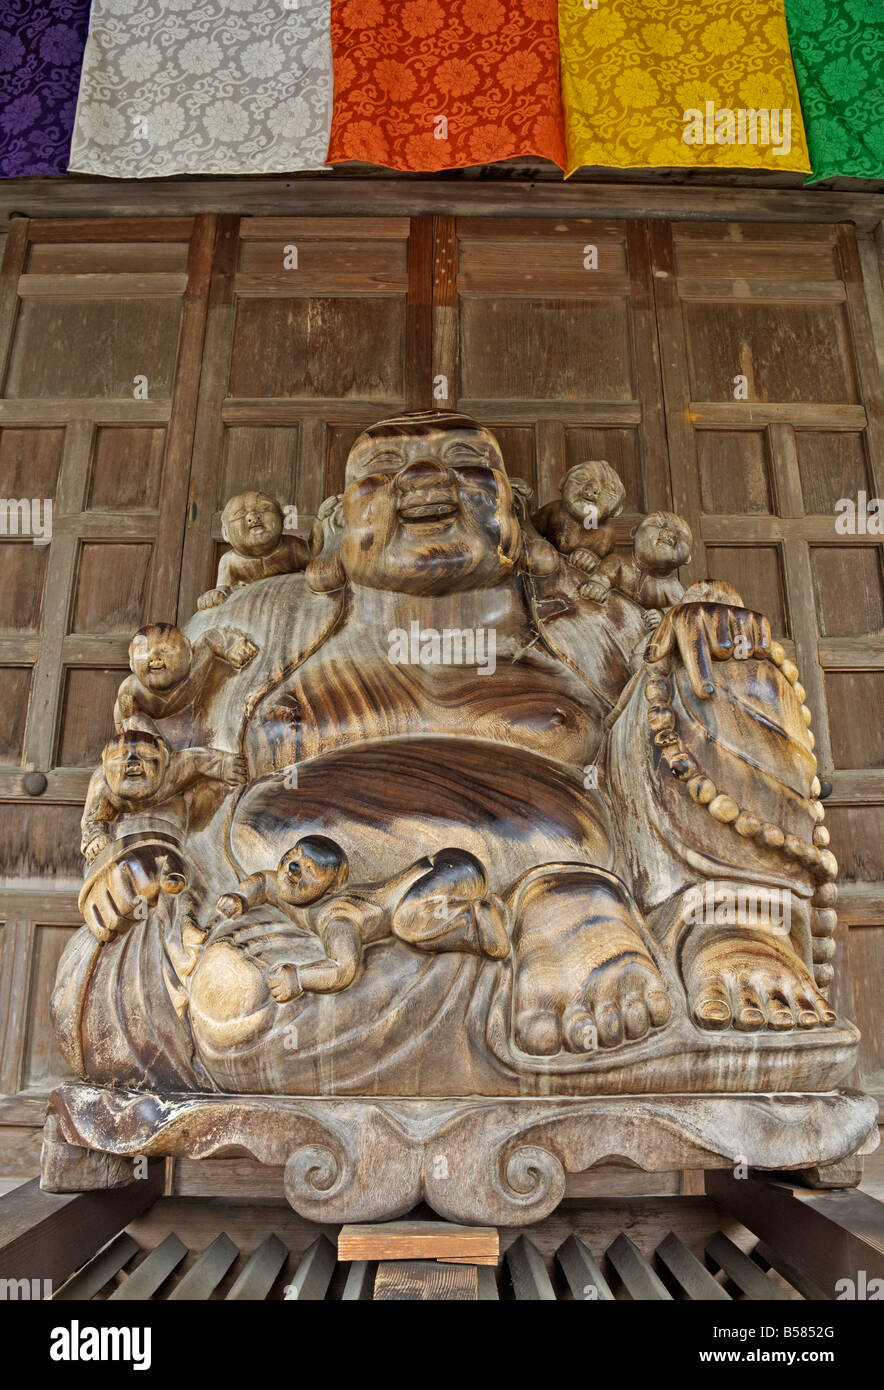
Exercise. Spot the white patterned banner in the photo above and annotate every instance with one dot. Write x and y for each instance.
(214, 87)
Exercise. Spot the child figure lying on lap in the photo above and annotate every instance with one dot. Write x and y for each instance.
(436, 904)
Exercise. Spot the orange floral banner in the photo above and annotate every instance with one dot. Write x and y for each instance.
(422, 85)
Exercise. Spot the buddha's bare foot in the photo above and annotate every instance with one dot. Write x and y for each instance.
(751, 980)
(584, 978)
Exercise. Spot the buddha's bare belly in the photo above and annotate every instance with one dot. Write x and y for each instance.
(341, 698)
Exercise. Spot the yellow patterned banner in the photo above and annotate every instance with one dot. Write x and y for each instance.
(658, 83)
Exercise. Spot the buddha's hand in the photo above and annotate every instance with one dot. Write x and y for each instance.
(702, 633)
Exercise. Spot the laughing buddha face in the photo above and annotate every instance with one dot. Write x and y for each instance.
(427, 507)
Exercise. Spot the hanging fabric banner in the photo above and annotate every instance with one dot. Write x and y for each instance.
(218, 87)
(660, 83)
(422, 85)
(838, 51)
(41, 53)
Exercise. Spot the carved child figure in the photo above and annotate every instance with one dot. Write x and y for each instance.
(168, 674)
(662, 542)
(438, 904)
(580, 524)
(140, 772)
(254, 525)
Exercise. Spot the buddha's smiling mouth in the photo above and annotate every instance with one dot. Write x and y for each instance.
(426, 512)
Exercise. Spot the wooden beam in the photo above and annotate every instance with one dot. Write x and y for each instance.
(639, 1280)
(865, 349)
(66, 785)
(99, 1271)
(46, 1235)
(11, 270)
(585, 1279)
(748, 1277)
(208, 445)
(161, 604)
(759, 290)
(153, 1271)
(683, 465)
(96, 228)
(531, 1283)
(654, 454)
(687, 1272)
(740, 415)
(261, 1272)
(517, 412)
(206, 1274)
(827, 1236)
(269, 410)
(419, 316)
(341, 194)
(15, 990)
(45, 410)
(314, 1273)
(446, 313)
(139, 285)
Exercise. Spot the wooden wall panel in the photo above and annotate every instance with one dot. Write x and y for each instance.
(30, 948)
(319, 347)
(15, 689)
(94, 347)
(734, 471)
(856, 701)
(544, 349)
(22, 580)
(86, 308)
(29, 461)
(42, 1064)
(832, 465)
(866, 958)
(789, 352)
(41, 843)
(87, 709)
(127, 469)
(848, 586)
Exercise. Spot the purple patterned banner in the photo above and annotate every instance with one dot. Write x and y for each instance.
(41, 54)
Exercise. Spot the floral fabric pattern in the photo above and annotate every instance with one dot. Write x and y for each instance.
(218, 87)
(838, 51)
(632, 69)
(423, 85)
(41, 53)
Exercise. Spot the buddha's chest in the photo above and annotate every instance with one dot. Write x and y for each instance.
(453, 682)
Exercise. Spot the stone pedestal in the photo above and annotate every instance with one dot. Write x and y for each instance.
(486, 1162)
